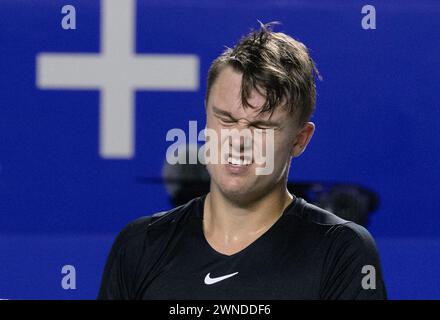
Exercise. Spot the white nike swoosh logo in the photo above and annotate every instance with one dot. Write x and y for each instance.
(209, 280)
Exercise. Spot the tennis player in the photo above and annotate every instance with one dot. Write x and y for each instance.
(249, 238)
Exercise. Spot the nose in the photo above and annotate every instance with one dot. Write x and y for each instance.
(241, 141)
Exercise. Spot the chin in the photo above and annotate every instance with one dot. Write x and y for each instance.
(235, 188)
(240, 192)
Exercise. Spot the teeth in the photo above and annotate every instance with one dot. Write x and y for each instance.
(238, 162)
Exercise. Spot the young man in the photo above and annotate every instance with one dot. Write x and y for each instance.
(249, 238)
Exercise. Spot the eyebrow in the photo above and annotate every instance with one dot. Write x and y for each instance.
(253, 123)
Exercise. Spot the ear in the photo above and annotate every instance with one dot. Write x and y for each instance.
(302, 139)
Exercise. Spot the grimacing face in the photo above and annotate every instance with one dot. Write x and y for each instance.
(224, 111)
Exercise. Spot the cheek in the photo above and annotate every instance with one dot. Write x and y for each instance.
(279, 142)
(282, 150)
(209, 123)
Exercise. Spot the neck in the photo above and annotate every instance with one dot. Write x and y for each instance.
(229, 221)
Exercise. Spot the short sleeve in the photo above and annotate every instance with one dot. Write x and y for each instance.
(118, 279)
(352, 269)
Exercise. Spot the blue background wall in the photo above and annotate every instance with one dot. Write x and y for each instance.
(377, 125)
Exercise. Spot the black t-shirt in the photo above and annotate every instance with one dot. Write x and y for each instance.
(309, 253)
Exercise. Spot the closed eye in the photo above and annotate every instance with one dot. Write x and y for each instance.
(226, 120)
(260, 127)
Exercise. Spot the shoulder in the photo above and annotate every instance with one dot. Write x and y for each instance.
(135, 249)
(137, 231)
(326, 227)
(346, 252)
(314, 216)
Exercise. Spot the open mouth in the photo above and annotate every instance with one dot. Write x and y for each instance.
(239, 161)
